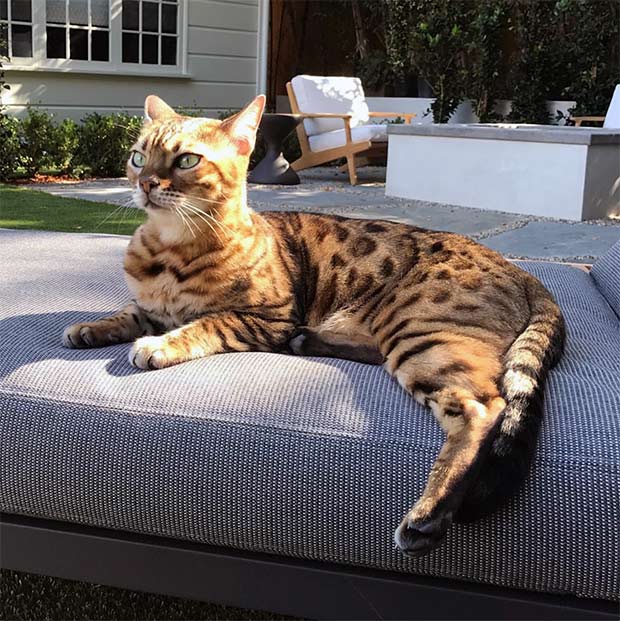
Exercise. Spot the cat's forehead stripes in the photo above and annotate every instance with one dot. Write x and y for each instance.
(195, 135)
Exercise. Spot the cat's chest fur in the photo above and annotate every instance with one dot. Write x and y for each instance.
(164, 290)
(160, 298)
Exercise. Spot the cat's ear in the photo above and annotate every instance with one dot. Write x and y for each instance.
(156, 109)
(242, 126)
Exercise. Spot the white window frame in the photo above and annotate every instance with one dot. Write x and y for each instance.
(115, 66)
(9, 22)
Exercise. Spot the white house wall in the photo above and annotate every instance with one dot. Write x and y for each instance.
(223, 63)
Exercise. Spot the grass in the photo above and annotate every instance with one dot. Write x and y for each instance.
(31, 597)
(28, 597)
(21, 208)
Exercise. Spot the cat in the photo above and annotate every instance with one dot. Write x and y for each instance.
(461, 329)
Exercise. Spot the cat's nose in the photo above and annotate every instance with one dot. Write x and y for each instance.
(150, 182)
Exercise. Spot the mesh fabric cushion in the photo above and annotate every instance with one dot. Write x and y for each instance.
(310, 458)
(606, 273)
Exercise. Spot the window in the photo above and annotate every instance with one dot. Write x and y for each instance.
(78, 29)
(150, 32)
(16, 28)
(132, 37)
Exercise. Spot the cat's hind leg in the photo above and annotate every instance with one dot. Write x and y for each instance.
(332, 344)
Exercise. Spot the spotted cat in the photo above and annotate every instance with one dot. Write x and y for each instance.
(461, 329)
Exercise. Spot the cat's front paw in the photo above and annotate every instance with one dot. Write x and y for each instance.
(151, 352)
(80, 336)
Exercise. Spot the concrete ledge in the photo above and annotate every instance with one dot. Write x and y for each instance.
(520, 133)
(565, 173)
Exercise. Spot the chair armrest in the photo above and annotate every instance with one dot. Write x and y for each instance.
(405, 115)
(346, 118)
(323, 115)
(578, 120)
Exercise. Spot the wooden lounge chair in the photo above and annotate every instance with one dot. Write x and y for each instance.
(610, 121)
(336, 122)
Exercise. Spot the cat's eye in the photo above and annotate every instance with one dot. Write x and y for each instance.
(138, 159)
(188, 160)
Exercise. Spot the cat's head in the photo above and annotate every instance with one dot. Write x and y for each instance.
(186, 168)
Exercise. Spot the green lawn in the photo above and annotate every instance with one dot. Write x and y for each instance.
(21, 208)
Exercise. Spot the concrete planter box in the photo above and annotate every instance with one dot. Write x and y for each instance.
(557, 172)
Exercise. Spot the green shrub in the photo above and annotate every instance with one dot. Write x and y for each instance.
(10, 151)
(98, 146)
(38, 138)
(67, 138)
(104, 142)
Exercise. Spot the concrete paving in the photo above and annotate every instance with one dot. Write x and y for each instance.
(545, 238)
(326, 190)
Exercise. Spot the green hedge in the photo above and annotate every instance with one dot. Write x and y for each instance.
(38, 143)
(98, 146)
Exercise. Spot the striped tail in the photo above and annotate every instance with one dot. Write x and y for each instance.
(526, 364)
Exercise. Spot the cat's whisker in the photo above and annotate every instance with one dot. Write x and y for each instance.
(206, 200)
(200, 215)
(214, 220)
(112, 213)
(124, 214)
(206, 216)
(185, 221)
(187, 208)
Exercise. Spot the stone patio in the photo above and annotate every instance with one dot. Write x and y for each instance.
(326, 190)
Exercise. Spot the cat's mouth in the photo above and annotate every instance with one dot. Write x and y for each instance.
(152, 205)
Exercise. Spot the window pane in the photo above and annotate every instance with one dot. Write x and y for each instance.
(100, 46)
(78, 44)
(130, 48)
(130, 15)
(150, 16)
(149, 49)
(169, 18)
(100, 11)
(22, 40)
(4, 40)
(168, 50)
(56, 43)
(3, 9)
(56, 11)
(78, 12)
(20, 11)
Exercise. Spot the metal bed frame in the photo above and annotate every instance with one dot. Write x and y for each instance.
(278, 584)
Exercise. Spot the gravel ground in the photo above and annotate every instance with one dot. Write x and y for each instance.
(27, 597)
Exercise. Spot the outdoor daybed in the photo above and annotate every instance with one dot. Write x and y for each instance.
(275, 482)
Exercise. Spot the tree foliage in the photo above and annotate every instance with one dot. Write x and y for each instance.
(484, 50)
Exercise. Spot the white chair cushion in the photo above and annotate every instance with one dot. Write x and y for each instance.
(337, 95)
(338, 138)
(612, 119)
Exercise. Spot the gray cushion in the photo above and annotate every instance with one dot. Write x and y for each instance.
(606, 273)
(310, 458)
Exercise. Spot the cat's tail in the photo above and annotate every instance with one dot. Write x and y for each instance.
(526, 365)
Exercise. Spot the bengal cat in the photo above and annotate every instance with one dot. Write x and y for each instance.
(462, 330)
